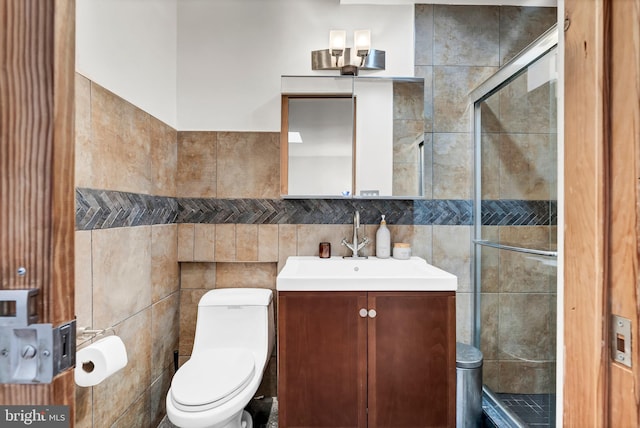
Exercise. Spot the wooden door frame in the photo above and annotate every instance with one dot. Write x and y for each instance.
(601, 211)
(37, 195)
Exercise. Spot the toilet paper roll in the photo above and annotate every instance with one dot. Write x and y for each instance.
(99, 360)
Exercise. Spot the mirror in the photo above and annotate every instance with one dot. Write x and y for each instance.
(320, 145)
(352, 137)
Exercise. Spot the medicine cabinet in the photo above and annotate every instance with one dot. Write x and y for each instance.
(349, 136)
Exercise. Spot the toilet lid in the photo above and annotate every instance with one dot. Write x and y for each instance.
(212, 377)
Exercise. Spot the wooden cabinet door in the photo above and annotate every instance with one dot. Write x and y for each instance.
(322, 359)
(412, 359)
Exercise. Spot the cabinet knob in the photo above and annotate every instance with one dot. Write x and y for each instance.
(372, 313)
(363, 313)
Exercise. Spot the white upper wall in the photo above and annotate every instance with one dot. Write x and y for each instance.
(232, 53)
(129, 47)
(216, 64)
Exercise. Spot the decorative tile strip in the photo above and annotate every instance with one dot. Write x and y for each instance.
(507, 212)
(324, 211)
(101, 209)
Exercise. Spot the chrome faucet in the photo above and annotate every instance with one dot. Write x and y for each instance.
(355, 246)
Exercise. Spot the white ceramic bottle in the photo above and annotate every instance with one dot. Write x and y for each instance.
(383, 241)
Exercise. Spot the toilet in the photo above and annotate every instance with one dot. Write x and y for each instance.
(233, 341)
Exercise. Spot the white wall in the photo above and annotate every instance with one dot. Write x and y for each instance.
(216, 65)
(232, 53)
(129, 47)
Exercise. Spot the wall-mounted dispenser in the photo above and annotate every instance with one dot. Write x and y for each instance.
(31, 353)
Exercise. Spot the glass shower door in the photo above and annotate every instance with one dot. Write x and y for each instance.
(515, 241)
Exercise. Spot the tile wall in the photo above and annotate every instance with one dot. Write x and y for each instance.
(128, 275)
(518, 291)
(456, 49)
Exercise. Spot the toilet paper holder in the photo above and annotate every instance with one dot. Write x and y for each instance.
(31, 352)
(87, 331)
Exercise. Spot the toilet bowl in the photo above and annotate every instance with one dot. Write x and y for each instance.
(233, 341)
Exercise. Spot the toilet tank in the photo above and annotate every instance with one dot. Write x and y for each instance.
(236, 318)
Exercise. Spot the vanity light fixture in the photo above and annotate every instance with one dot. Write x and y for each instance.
(337, 44)
(364, 57)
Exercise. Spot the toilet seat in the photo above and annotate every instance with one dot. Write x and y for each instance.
(211, 378)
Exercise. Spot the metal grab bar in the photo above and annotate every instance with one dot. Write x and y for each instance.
(518, 249)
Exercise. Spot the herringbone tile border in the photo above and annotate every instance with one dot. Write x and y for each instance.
(102, 209)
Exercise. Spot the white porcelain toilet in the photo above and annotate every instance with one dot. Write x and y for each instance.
(234, 339)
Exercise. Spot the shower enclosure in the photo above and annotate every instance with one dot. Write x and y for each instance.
(515, 235)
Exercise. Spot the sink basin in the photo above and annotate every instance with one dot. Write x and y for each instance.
(302, 273)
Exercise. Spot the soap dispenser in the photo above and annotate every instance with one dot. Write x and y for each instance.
(383, 241)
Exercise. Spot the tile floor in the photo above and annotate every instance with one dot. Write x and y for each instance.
(536, 410)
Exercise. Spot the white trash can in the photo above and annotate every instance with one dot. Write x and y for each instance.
(468, 386)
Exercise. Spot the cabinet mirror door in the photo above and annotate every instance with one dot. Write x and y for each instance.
(353, 137)
(319, 145)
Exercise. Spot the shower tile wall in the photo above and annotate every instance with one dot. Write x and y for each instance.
(457, 48)
(518, 290)
(126, 277)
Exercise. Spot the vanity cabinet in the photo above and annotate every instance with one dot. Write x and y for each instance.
(366, 359)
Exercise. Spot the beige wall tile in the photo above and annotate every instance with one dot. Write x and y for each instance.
(526, 326)
(519, 26)
(310, 236)
(527, 166)
(423, 42)
(248, 165)
(426, 72)
(84, 407)
(204, 243)
(138, 415)
(83, 280)
(165, 329)
(121, 273)
(452, 252)
(490, 323)
(452, 166)
(466, 35)
(188, 313)
(247, 242)
(287, 243)
(268, 243)
(246, 275)
(451, 87)
(114, 395)
(225, 242)
(464, 317)
(491, 374)
(419, 237)
(524, 111)
(521, 272)
(186, 242)
(158, 395)
(523, 377)
(165, 271)
(121, 142)
(83, 146)
(490, 168)
(198, 275)
(196, 169)
(164, 158)
(490, 261)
